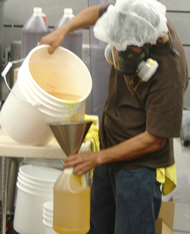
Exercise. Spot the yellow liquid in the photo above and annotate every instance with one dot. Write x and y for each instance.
(73, 99)
(71, 214)
(65, 96)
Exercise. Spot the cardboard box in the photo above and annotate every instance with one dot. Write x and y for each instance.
(162, 228)
(164, 223)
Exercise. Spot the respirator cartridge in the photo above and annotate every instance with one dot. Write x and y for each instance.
(129, 62)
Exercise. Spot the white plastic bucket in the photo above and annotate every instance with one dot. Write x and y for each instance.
(48, 227)
(35, 188)
(48, 209)
(31, 196)
(63, 72)
(48, 206)
(46, 212)
(34, 191)
(48, 217)
(39, 174)
(41, 78)
(34, 183)
(23, 122)
(29, 211)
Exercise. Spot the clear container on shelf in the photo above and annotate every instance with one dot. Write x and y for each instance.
(33, 30)
(73, 40)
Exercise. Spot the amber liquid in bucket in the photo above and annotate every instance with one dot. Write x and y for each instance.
(71, 212)
(48, 77)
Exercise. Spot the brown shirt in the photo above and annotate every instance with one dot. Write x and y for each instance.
(133, 106)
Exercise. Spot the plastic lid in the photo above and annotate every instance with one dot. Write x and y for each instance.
(37, 10)
(68, 11)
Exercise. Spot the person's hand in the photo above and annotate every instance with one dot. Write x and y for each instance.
(82, 162)
(53, 39)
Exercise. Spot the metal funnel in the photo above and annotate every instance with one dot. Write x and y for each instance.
(70, 135)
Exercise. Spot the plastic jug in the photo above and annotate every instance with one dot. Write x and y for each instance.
(73, 40)
(34, 29)
(71, 204)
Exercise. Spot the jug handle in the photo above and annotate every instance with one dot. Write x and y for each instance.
(83, 177)
(83, 180)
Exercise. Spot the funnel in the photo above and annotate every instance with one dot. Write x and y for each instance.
(70, 135)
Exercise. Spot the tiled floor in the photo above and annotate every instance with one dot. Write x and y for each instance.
(11, 230)
(176, 232)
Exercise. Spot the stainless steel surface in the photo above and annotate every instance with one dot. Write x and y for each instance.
(70, 135)
(4, 196)
(1, 40)
(12, 171)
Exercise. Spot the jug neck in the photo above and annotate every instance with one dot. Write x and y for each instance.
(68, 12)
(37, 11)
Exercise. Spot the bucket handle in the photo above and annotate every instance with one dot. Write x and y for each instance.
(4, 73)
(6, 70)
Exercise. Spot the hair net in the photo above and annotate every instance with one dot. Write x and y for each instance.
(132, 22)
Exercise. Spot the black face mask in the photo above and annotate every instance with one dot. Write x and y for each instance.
(129, 62)
(126, 62)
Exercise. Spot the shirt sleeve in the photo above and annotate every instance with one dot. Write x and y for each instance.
(164, 103)
(164, 112)
(103, 9)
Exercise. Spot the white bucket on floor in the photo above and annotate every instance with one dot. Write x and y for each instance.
(48, 206)
(30, 198)
(48, 217)
(32, 182)
(48, 213)
(48, 228)
(39, 174)
(48, 209)
(49, 88)
(34, 187)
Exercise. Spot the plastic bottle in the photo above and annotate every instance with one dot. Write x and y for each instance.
(71, 204)
(34, 29)
(73, 40)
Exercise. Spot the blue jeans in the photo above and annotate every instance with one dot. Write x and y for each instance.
(124, 201)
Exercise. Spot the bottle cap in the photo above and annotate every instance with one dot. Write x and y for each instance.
(37, 10)
(68, 11)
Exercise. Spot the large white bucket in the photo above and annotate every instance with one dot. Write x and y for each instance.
(23, 122)
(30, 199)
(49, 88)
(39, 175)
